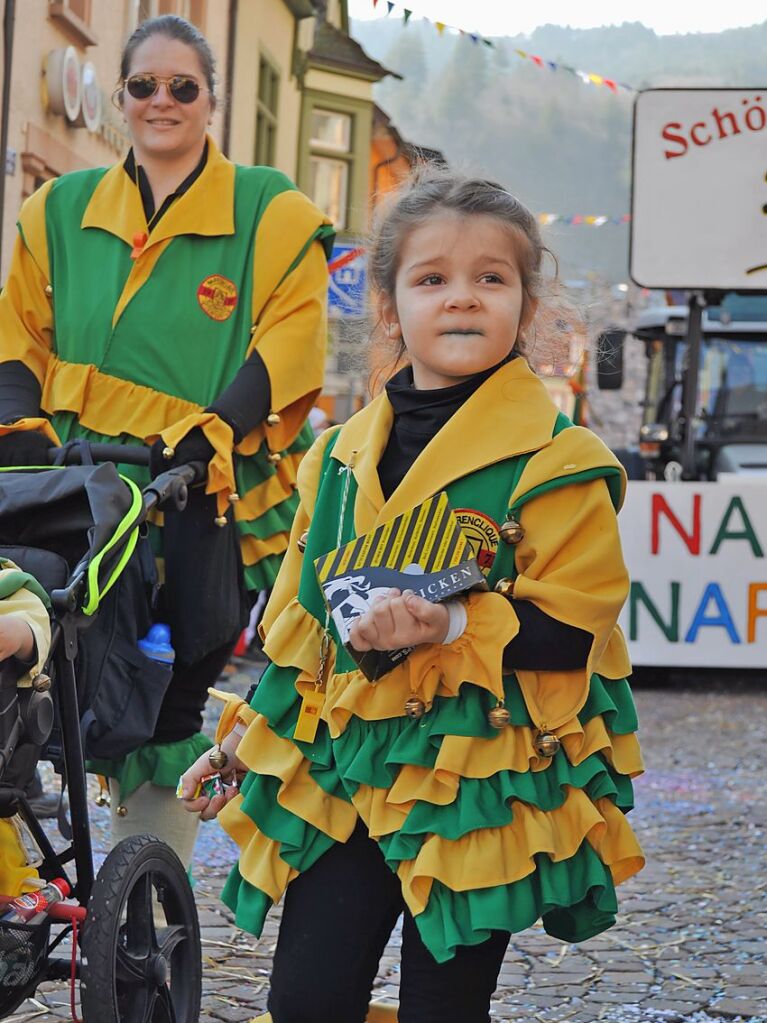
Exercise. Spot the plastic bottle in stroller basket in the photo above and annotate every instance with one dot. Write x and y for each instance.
(24, 907)
(156, 644)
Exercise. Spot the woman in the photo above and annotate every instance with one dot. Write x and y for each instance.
(177, 300)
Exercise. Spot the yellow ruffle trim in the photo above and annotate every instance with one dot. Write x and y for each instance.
(24, 425)
(260, 862)
(108, 404)
(431, 670)
(254, 550)
(294, 641)
(466, 757)
(234, 710)
(273, 491)
(266, 753)
(220, 468)
(496, 856)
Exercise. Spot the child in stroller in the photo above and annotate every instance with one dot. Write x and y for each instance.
(25, 637)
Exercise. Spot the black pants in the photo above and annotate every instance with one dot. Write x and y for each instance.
(185, 698)
(336, 920)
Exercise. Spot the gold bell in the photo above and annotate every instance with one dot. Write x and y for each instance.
(546, 744)
(505, 587)
(233, 498)
(220, 521)
(48, 290)
(122, 811)
(274, 457)
(415, 708)
(218, 759)
(302, 541)
(273, 419)
(102, 799)
(511, 531)
(168, 453)
(41, 683)
(498, 717)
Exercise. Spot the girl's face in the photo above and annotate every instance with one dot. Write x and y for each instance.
(160, 126)
(458, 298)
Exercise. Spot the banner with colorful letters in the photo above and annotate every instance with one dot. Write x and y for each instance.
(696, 558)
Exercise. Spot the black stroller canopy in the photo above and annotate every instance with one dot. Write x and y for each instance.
(86, 513)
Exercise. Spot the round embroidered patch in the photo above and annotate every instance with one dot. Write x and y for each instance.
(482, 534)
(217, 296)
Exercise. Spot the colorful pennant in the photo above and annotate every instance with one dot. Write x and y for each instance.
(587, 77)
(440, 26)
(579, 219)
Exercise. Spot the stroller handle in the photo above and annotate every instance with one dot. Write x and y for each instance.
(128, 454)
(171, 485)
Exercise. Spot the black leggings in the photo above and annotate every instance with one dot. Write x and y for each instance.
(336, 920)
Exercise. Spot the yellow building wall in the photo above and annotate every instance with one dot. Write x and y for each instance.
(268, 27)
(338, 85)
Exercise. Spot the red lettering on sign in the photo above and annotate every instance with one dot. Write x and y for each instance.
(691, 540)
(669, 136)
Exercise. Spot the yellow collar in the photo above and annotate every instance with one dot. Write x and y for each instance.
(206, 208)
(509, 414)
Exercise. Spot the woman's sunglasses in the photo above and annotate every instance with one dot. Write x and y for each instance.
(182, 88)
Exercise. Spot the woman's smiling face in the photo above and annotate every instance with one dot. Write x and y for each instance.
(160, 126)
(458, 297)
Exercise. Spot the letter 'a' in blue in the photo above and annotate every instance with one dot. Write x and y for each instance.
(723, 619)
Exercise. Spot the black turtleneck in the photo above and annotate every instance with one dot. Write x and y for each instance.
(542, 643)
(418, 415)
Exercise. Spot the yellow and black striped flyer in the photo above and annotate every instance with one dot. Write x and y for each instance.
(423, 550)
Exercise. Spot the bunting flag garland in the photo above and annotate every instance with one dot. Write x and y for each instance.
(440, 26)
(581, 219)
(587, 77)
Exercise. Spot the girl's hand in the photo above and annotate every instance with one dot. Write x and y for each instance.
(201, 768)
(397, 620)
(16, 638)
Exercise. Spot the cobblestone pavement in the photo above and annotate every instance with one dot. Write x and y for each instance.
(690, 942)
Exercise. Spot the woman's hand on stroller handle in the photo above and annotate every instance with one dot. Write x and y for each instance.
(168, 486)
(192, 778)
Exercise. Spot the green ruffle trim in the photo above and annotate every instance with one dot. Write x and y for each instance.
(251, 470)
(249, 904)
(278, 519)
(575, 899)
(161, 763)
(263, 574)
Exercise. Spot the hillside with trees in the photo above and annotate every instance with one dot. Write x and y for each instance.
(560, 145)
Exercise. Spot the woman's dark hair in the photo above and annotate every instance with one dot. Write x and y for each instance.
(172, 27)
(430, 190)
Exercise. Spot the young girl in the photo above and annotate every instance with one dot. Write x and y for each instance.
(481, 784)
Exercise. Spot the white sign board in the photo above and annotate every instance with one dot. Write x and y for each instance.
(699, 192)
(697, 558)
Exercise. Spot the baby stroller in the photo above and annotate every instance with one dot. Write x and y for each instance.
(135, 935)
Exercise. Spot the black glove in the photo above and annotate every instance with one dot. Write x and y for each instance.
(195, 447)
(24, 447)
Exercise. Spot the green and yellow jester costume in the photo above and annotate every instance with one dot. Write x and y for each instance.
(131, 336)
(484, 832)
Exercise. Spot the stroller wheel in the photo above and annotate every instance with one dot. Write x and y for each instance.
(141, 939)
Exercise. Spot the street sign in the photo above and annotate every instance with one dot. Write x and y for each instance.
(699, 194)
(347, 290)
